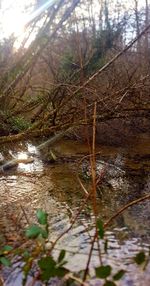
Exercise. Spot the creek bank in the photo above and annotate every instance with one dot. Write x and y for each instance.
(116, 132)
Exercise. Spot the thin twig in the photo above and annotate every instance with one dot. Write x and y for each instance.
(25, 215)
(146, 197)
(89, 258)
(108, 64)
(77, 279)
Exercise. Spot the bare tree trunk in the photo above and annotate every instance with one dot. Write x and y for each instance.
(101, 15)
(137, 27)
(146, 24)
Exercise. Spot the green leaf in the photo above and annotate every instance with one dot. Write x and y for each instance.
(103, 271)
(106, 245)
(47, 266)
(7, 248)
(44, 233)
(119, 275)
(42, 217)
(26, 254)
(60, 272)
(100, 228)
(61, 255)
(46, 262)
(5, 261)
(140, 258)
(33, 231)
(109, 283)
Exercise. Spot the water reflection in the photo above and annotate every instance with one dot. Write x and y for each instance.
(32, 149)
(55, 189)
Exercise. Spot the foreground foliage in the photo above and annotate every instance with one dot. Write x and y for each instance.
(38, 261)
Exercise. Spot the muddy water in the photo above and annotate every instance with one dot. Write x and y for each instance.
(56, 189)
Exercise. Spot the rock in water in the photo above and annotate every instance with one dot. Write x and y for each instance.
(9, 165)
(14, 163)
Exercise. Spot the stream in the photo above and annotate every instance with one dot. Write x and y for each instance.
(55, 188)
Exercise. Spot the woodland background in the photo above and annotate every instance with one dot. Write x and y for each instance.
(54, 79)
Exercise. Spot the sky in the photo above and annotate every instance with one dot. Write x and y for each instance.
(13, 15)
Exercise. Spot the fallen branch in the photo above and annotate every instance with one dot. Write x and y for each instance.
(146, 197)
(28, 134)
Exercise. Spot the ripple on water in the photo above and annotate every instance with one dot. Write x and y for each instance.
(53, 189)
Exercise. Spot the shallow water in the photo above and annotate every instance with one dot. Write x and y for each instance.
(56, 189)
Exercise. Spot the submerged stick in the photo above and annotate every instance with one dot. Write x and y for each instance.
(14, 163)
